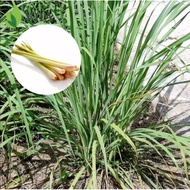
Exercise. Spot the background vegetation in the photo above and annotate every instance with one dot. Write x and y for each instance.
(93, 122)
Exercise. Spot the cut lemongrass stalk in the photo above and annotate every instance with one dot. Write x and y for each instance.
(54, 69)
(46, 61)
(59, 76)
(58, 70)
(70, 74)
(25, 48)
(76, 68)
(48, 72)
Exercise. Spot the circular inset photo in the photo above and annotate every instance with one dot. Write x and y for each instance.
(45, 59)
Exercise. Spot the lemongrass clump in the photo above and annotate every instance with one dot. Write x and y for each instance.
(55, 70)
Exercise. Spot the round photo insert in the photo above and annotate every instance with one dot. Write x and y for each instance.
(45, 59)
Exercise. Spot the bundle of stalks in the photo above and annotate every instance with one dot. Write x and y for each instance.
(53, 69)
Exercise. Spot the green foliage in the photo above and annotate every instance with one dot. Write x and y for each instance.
(93, 119)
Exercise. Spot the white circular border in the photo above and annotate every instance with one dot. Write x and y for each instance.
(52, 42)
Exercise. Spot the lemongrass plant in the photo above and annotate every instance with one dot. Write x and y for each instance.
(96, 113)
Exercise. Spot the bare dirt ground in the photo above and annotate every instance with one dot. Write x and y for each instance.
(35, 173)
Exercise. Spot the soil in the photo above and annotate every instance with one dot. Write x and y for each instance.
(34, 173)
